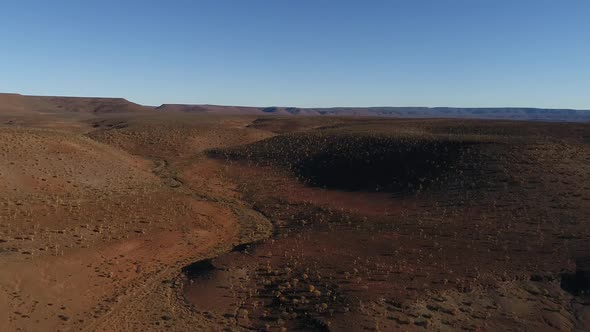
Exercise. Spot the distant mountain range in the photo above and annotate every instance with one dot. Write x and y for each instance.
(16, 103)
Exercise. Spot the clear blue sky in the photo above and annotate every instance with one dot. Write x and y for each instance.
(301, 53)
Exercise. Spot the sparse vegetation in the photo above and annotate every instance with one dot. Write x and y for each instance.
(376, 224)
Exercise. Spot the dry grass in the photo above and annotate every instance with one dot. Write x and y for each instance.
(374, 222)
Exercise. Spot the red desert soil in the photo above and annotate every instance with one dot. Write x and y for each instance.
(116, 217)
(492, 243)
(90, 230)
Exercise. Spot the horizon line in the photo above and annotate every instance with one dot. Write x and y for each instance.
(298, 107)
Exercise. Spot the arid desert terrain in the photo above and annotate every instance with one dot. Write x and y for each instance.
(120, 217)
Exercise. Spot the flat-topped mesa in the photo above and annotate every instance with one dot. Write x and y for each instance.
(45, 104)
(495, 113)
(181, 108)
(11, 102)
(95, 105)
(16, 103)
(206, 108)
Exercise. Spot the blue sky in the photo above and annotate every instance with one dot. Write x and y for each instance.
(469, 53)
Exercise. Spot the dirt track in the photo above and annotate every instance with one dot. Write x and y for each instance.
(89, 233)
